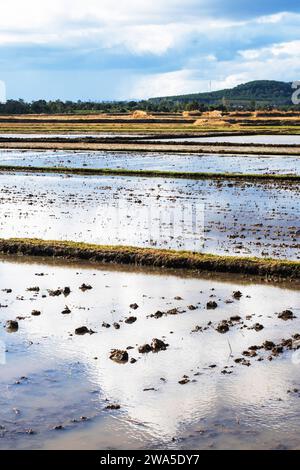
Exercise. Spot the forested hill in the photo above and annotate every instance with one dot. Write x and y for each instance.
(265, 92)
(261, 94)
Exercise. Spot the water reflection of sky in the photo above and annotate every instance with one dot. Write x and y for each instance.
(245, 139)
(56, 364)
(239, 218)
(135, 161)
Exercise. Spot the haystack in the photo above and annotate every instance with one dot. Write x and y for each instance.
(187, 114)
(212, 114)
(140, 115)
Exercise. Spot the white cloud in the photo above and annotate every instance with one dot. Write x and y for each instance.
(288, 49)
(273, 19)
(140, 26)
(277, 62)
(183, 82)
(164, 84)
(28, 14)
(146, 39)
(202, 47)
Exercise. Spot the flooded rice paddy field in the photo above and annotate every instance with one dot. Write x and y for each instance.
(274, 139)
(243, 164)
(244, 139)
(223, 371)
(209, 216)
(100, 357)
(69, 135)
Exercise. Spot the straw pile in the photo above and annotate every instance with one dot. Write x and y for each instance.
(187, 114)
(212, 114)
(140, 115)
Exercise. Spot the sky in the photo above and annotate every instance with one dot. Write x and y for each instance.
(135, 49)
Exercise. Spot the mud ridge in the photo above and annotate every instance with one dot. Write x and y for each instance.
(270, 268)
(152, 173)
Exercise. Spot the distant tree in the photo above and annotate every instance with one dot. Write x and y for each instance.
(40, 106)
(192, 106)
(225, 103)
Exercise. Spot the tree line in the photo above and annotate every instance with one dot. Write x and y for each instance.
(163, 105)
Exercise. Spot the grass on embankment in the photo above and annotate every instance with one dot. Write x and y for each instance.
(150, 173)
(152, 257)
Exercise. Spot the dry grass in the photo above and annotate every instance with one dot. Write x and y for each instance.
(212, 122)
(124, 123)
(132, 127)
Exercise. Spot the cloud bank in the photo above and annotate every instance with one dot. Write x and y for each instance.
(108, 49)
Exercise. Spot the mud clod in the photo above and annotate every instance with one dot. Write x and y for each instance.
(184, 381)
(257, 327)
(118, 355)
(35, 313)
(237, 294)
(158, 345)
(130, 320)
(82, 330)
(286, 315)
(12, 326)
(66, 311)
(144, 349)
(223, 327)
(112, 407)
(268, 345)
(67, 291)
(134, 306)
(85, 287)
(211, 305)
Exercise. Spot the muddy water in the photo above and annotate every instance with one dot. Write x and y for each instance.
(246, 407)
(215, 217)
(245, 139)
(135, 161)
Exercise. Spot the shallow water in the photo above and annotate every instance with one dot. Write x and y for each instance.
(239, 139)
(69, 135)
(210, 216)
(244, 139)
(172, 162)
(45, 362)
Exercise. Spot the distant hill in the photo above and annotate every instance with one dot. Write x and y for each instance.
(262, 92)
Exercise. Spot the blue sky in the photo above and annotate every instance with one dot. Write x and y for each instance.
(119, 49)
